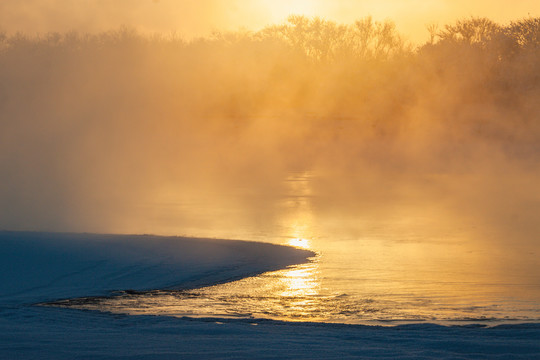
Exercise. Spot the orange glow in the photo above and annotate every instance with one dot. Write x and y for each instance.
(200, 18)
(277, 10)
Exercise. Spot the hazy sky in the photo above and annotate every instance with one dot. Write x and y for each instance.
(192, 18)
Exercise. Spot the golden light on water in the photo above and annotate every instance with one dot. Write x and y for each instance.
(301, 243)
(299, 221)
(300, 281)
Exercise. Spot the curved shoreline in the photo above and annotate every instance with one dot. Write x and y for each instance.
(42, 266)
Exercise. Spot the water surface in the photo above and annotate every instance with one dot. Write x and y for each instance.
(403, 255)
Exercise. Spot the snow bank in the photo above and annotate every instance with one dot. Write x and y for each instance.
(53, 333)
(38, 267)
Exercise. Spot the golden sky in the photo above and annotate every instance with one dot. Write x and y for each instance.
(191, 18)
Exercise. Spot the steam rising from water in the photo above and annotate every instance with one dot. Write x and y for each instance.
(97, 129)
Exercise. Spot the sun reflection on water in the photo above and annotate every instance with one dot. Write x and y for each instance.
(300, 281)
(300, 243)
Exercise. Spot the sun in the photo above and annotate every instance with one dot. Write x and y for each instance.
(300, 243)
(278, 10)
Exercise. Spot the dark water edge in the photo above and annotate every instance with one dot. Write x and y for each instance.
(81, 304)
(72, 306)
(102, 304)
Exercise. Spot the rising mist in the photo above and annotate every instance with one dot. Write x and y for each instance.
(95, 126)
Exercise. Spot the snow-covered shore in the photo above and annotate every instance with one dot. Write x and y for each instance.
(54, 333)
(38, 267)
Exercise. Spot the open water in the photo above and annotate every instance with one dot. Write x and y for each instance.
(380, 259)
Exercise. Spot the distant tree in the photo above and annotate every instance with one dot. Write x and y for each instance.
(473, 31)
(433, 29)
(525, 33)
(377, 40)
(319, 39)
(324, 41)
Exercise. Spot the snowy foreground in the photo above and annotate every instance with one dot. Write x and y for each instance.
(39, 267)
